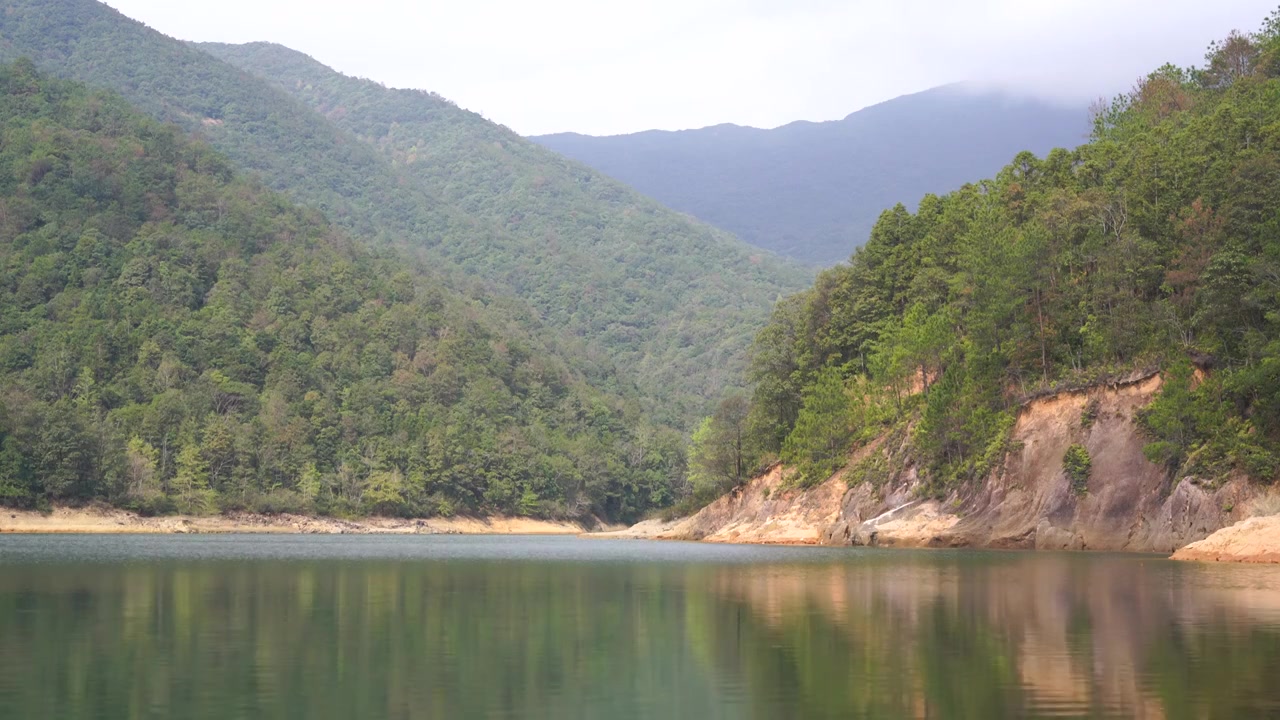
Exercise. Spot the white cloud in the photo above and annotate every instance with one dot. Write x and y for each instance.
(608, 67)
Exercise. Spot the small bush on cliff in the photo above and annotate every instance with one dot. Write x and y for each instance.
(1090, 413)
(1078, 466)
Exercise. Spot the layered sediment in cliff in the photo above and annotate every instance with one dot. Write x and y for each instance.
(1028, 501)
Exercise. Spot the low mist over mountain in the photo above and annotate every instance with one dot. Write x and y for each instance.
(812, 191)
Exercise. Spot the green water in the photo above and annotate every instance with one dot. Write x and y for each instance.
(516, 627)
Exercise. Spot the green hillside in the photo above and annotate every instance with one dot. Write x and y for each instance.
(176, 337)
(1155, 245)
(670, 302)
(668, 297)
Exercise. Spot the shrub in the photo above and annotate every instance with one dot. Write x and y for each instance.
(150, 506)
(1090, 413)
(1078, 466)
(873, 469)
(279, 501)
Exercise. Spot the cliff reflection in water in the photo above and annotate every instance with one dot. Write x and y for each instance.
(1001, 635)
(849, 634)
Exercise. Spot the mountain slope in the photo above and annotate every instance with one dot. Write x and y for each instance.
(812, 191)
(672, 303)
(670, 296)
(173, 336)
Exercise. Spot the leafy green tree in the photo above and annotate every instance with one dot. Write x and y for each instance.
(190, 484)
(142, 472)
(820, 442)
(719, 456)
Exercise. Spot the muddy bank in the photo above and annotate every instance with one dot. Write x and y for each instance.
(1256, 540)
(1027, 502)
(112, 521)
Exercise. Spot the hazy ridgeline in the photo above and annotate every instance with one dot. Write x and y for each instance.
(813, 191)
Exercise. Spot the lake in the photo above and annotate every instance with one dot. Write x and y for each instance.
(370, 627)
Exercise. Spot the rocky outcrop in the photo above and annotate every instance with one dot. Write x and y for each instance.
(1028, 502)
(1256, 540)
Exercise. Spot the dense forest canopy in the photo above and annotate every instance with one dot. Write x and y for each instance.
(1155, 245)
(176, 337)
(621, 281)
(813, 191)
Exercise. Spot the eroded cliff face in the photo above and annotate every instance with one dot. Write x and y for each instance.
(1027, 502)
(764, 511)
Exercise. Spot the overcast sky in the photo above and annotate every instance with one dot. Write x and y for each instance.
(604, 67)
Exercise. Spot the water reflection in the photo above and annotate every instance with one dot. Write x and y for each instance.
(586, 634)
(997, 635)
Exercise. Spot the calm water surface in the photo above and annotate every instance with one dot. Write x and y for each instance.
(528, 627)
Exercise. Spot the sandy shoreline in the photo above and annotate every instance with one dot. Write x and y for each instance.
(102, 520)
(1252, 541)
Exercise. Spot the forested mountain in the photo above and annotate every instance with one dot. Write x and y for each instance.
(671, 302)
(1155, 245)
(812, 191)
(671, 299)
(174, 336)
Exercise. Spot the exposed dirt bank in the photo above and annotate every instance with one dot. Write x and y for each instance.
(1027, 502)
(762, 512)
(110, 520)
(643, 530)
(1256, 540)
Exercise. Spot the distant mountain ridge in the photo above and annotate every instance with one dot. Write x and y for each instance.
(813, 190)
